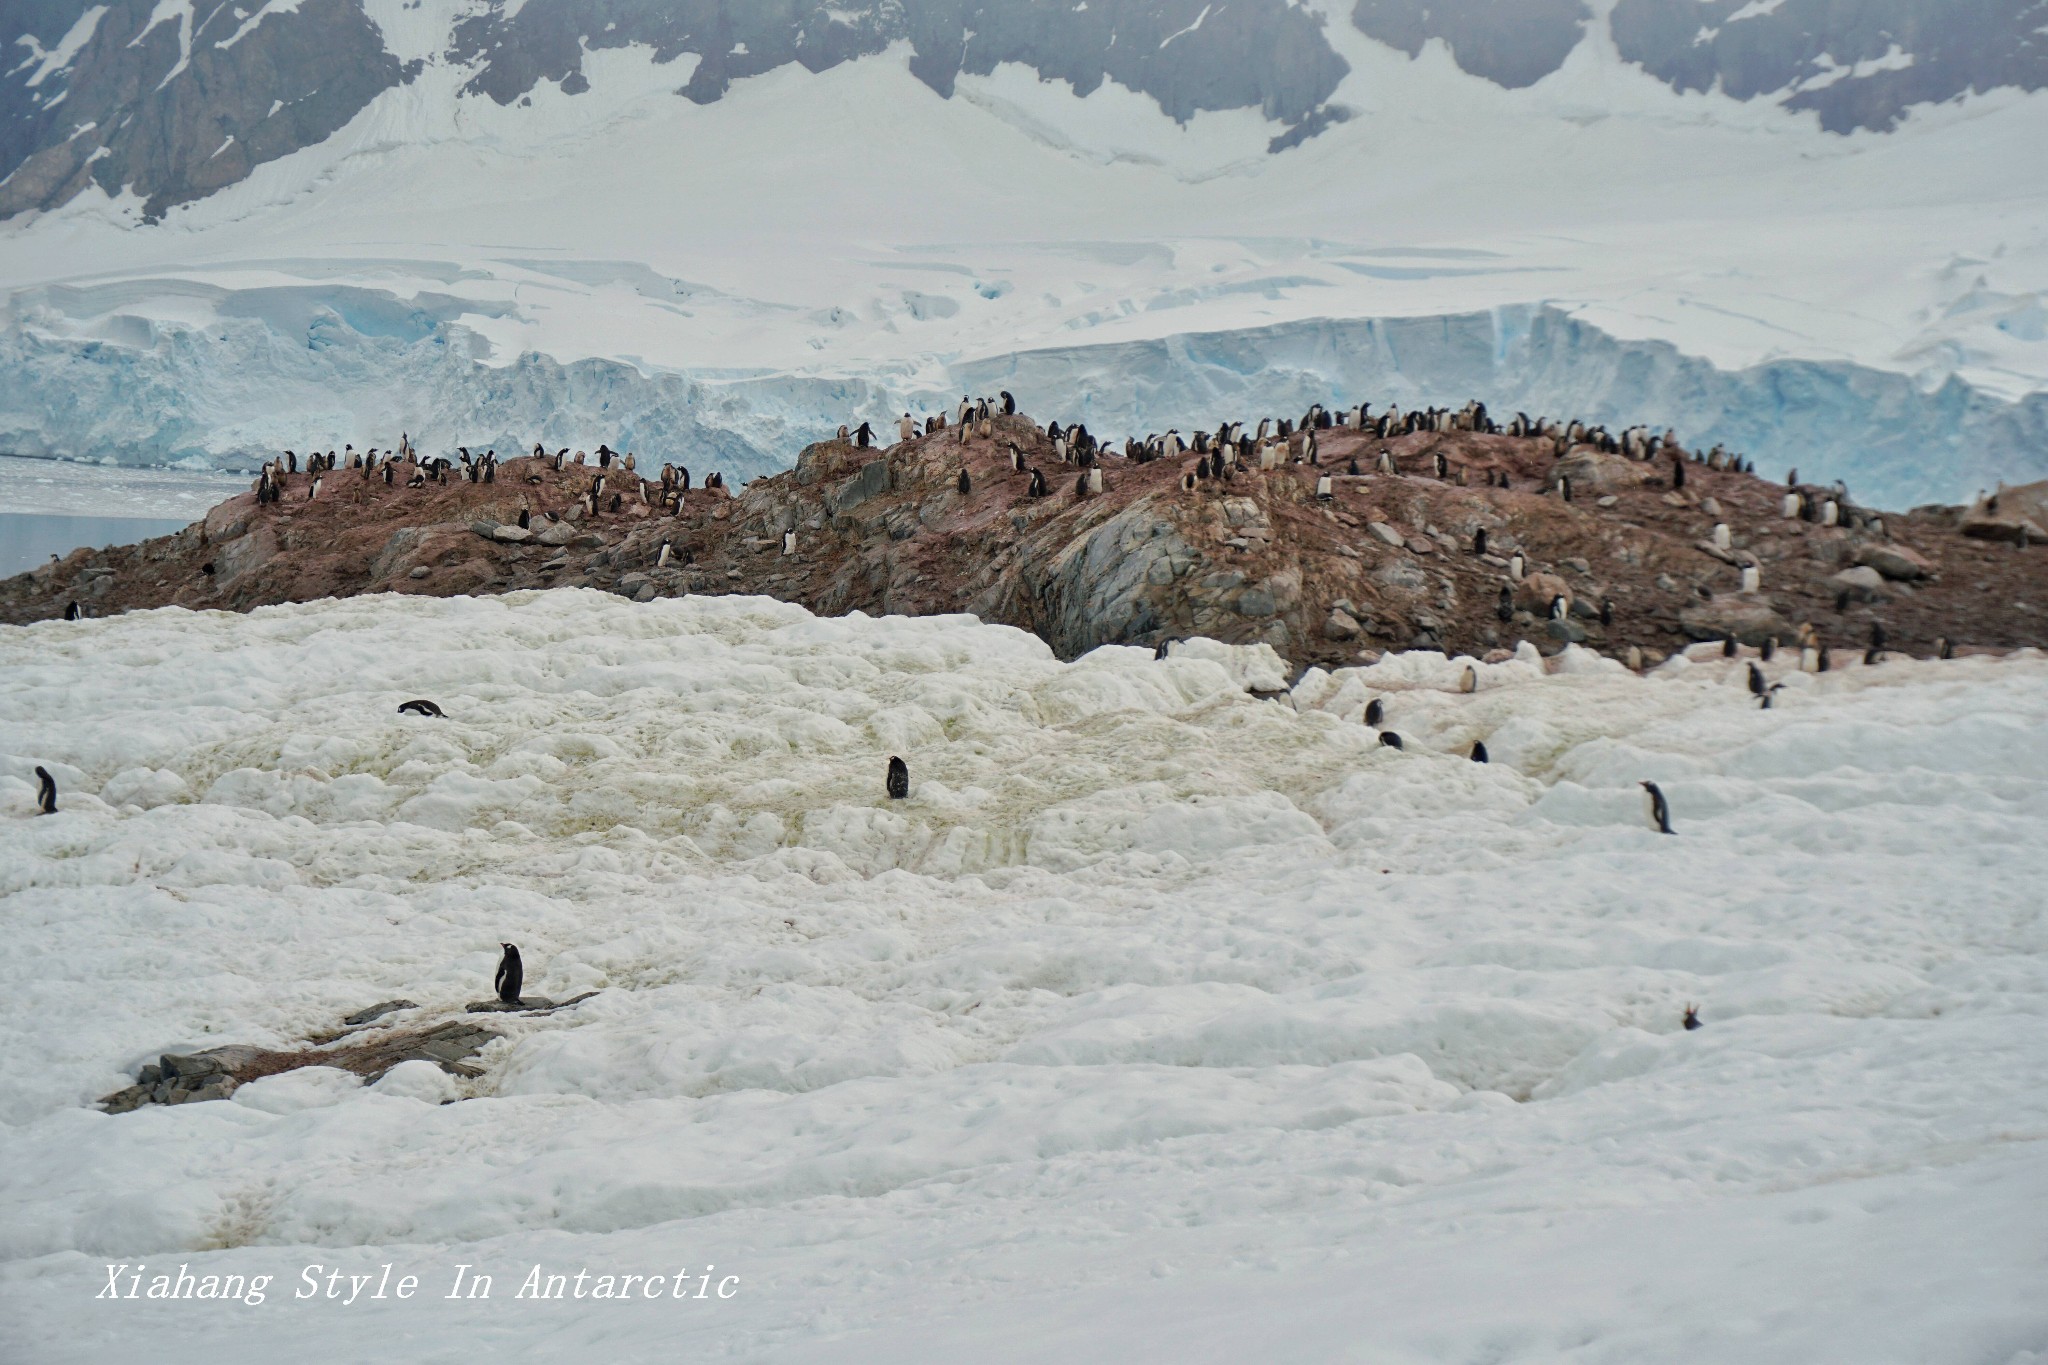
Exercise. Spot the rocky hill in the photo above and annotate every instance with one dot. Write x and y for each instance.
(1388, 560)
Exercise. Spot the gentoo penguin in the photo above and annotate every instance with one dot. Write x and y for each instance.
(1443, 468)
(1558, 607)
(965, 484)
(1678, 473)
(1468, 681)
(1692, 1017)
(525, 519)
(1943, 649)
(1505, 608)
(1564, 486)
(1390, 739)
(1763, 703)
(419, 707)
(1878, 639)
(1830, 513)
(1660, 814)
(1323, 487)
(1094, 477)
(1722, 539)
(71, 611)
(46, 792)
(1826, 660)
(1757, 685)
(1517, 566)
(899, 778)
(511, 975)
(1752, 579)
(1037, 488)
(789, 542)
(661, 557)
(1375, 712)
(1479, 541)
(1479, 751)
(1770, 649)
(1607, 613)
(1728, 646)
(314, 491)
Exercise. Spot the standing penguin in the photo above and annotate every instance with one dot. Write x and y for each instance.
(1479, 541)
(1660, 813)
(1479, 751)
(1757, 685)
(1692, 1018)
(511, 974)
(1468, 681)
(1375, 712)
(1505, 608)
(46, 792)
(965, 484)
(899, 778)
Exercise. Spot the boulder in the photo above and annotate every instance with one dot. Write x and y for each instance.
(1340, 625)
(1536, 591)
(1750, 620)
(559, 533)
(1894, 561)
(511, 535)
(1592, 470)
(1862, 583)
(1388, 534)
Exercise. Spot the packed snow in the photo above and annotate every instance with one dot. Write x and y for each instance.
(819, 248)
(1169, 1017)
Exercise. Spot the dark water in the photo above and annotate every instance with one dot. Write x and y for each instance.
(30, 538)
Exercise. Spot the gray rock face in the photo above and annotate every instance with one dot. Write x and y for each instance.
(176, 110)
(1858, 65)
(1512, 45)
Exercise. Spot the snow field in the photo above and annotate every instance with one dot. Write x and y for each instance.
(1149, 986)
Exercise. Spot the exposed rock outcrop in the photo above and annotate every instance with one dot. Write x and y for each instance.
(1386, 561)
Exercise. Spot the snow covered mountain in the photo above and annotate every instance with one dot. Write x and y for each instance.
(1813, 232)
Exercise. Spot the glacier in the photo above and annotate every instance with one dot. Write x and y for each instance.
(315, 367)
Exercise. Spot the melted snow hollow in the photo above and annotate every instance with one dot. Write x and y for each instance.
(1162, 1021)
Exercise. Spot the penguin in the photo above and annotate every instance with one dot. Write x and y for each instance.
(1479, 752)
(965, 484)
(1564, 486)
(1678, 473)
(1558, 607)
(525, 519)
(419, 707)
(1692, 1018)
(511, 975)
(1479, 541)
(1943, 649)
(789, 542)
(1728, 645)
(314, 491)
(1722, 538)
(1826, 660)
(46, 792)
(1468, 681)
(1763, 703)
(1770, 649)
(1390, 739)
(1660, 813)
(1607, 613)
(71, 611)
(1375, 712)
(1878, 639)
(1757, 686)
(1517, 566)
(1037, 487)
(1323, 487)
(1505, 608)
(899, 778)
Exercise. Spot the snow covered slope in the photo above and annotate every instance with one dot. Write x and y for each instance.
(597, 258)
(1159, 1023)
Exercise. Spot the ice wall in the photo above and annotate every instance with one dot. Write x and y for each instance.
(289, 368)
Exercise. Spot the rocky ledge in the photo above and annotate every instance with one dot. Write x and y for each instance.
(1375, 561)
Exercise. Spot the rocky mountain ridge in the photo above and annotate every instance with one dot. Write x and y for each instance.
(173, 100)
